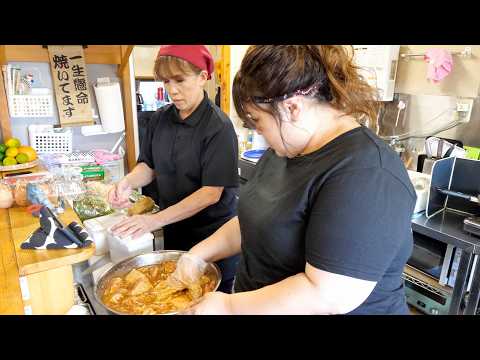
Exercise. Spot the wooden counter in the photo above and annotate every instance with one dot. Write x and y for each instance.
(33, 261)
(10, 294)
(35, 281)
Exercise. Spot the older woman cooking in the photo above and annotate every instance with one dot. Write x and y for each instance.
(191, 152)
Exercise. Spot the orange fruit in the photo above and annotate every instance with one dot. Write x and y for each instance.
(29, 151)
(11, 152)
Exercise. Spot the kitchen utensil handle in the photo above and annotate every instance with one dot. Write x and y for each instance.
(76, 229)
(54, 217)
(71, 237)
(455, 194)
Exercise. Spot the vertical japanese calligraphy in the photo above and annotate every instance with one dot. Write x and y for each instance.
(70, 79)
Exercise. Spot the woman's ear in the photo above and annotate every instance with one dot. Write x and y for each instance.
(293, 108)
(203, 76)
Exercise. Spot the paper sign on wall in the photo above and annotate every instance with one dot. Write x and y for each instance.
(69, 74)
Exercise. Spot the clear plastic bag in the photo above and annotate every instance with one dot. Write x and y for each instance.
(45, 192)
(88, 206)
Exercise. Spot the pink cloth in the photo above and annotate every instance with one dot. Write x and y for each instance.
(102, 156)
(440, 64)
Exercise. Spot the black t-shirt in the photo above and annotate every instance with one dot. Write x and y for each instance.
(201, 150)
(345, 208)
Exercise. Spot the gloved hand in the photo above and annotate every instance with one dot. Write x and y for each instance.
(118, 195)
(188, 272)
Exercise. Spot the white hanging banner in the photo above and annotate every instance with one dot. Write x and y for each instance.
(69, 74)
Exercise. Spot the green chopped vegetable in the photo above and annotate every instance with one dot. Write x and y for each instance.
(89, 207)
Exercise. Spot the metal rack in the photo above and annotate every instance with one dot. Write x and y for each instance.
(466, 53)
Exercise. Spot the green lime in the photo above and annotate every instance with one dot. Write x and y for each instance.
(3, 148)
(9, 161)
(2, 155)
(22, 158)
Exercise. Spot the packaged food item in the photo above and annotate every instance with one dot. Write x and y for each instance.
(45, 192)
(6, 196)
(98, 188)
(88, 206)
(143, 205)
(70, 184)
(93, 172)
(20, 193)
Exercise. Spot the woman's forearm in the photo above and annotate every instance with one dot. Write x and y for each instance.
(191, 205)
(141, 175)
(293, 295)
(225, 242)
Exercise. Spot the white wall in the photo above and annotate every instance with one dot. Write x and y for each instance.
(144, 60)
(237, 53)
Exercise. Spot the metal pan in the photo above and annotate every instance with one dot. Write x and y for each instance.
(151, 258)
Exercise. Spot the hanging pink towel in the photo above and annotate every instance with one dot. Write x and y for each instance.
(440, 64)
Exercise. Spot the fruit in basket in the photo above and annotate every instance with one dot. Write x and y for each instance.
(22, 158)
(13, 143)
(11, 152)
(2, 156)
(29, 151)
(3, 148)
(6, 196)
(7, 161)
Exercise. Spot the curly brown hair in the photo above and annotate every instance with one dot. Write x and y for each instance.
(271, 71)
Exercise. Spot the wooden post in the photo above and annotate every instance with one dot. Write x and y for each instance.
(124, 74)
(5, 125)
(225, 87)
(125, 58)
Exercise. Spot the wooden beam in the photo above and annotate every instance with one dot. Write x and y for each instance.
(225, 87)
(94, 54)
(145, 78)
(128, 111)
(125, 58)
(3, 58)
(5, 125)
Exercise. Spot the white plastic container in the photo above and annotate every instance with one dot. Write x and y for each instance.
(121, 249)
(421, 182)
(97, 228)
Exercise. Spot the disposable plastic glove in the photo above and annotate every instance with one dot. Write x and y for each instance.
(188, 272)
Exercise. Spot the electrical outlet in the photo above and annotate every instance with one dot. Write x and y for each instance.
(463, 107)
